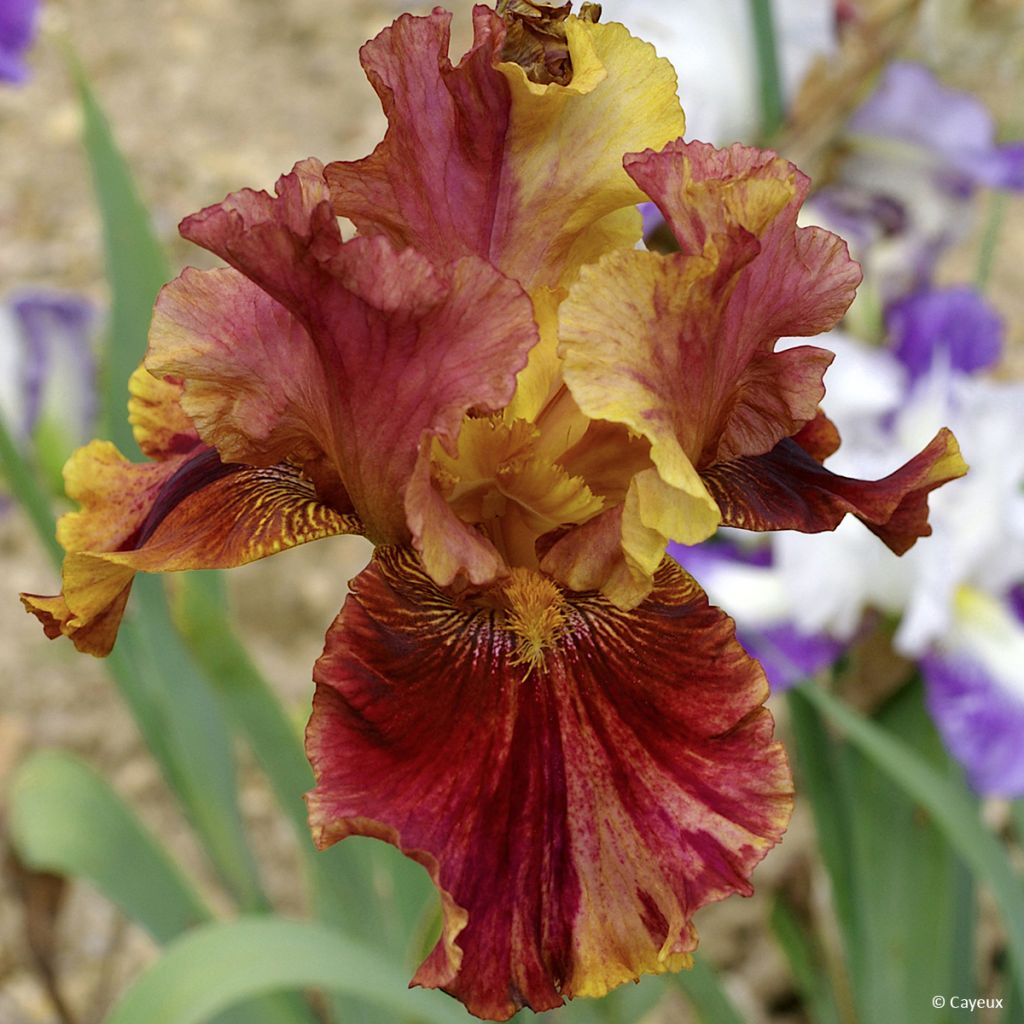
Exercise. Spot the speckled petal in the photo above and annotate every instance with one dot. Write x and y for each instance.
(573, 814)
(187, 512)
(161, 426)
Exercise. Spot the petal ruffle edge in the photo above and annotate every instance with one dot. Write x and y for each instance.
(391, 350)
(573, 814)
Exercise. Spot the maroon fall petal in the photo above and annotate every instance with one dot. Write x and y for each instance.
(789, 489)
(577, 779)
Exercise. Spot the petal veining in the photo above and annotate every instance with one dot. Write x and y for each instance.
(574, 808)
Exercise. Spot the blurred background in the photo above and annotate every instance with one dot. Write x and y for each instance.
(207, 96)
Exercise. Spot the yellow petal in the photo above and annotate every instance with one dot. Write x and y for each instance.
(565, 144)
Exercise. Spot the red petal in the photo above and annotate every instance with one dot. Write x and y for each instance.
(788, 489)
(574, 816)
(396, 349)
(430, 183)
(477, 160)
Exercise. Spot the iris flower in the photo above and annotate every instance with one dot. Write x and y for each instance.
(915, 154)
(521, 692)
(47, 368)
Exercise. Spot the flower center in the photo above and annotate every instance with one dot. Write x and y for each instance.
(513, 491)
(534, 615)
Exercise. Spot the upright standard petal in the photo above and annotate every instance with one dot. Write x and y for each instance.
(680, 348)
(480, 159)
(356, 351)
(577, 780)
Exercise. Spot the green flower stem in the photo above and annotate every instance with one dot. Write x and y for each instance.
(990, 239)
(773, 111)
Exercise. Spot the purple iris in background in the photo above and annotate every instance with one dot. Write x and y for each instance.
(47, 365)
(975, 694)
(1016, 600)
(953, 327)
(17, 31)
(917, 151)
(912, 106)
(980, 721)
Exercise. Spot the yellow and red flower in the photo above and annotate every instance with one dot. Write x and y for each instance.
(521, 410)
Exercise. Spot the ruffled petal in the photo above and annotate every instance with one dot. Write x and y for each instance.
(680, 348)
(187, 512)
(577, 780)
(788, 489)
(480, 159)
(254, 385)
(375, 351)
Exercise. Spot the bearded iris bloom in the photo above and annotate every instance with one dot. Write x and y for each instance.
(522, 693)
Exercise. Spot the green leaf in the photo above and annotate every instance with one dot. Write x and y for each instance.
(215, 966)
(1013, 1004)
(246, 696)
(950, 807)
(773, 110)
(64, 818)
(136, 265)
(912, 941)
(824, 777)
(162, 681)
(702, 988)
(28, 492)
(806, 963)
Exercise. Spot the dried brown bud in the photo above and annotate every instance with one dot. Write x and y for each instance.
(535, 37)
